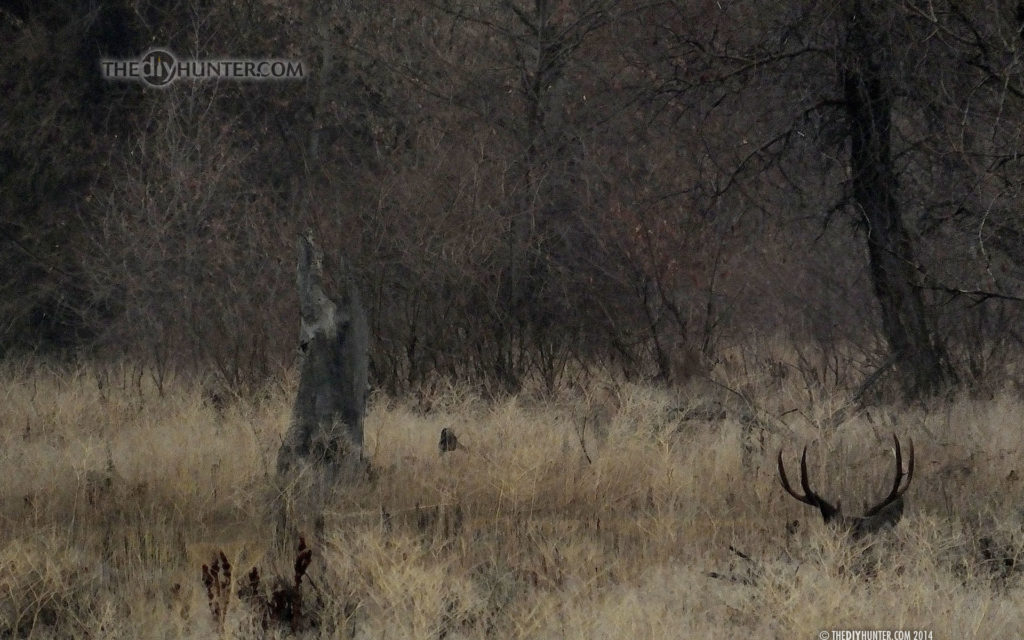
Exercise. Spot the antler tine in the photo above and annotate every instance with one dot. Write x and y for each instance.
(828, 510)
(804, 482)
(910, 467)
(785, 481)
(809, 497)
(899, 471)
(900, 474)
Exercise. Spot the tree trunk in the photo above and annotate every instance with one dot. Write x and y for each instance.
(326, 434)
(921, 361)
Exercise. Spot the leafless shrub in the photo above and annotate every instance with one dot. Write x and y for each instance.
(280, 606)
(217, 581)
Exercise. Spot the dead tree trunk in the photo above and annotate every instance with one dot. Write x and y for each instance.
(921, 360)
(326, 433)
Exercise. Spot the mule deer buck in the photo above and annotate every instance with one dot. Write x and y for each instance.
(884, 514)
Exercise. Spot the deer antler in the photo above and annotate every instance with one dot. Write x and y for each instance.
(886, 513)
(828, 510)
(890, 509)
(896, 492)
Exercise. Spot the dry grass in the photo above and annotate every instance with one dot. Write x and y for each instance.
(112, 501)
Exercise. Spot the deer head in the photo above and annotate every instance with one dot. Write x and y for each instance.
(884, 514)
(449, 441)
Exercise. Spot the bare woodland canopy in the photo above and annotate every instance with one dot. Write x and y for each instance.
(526, 189)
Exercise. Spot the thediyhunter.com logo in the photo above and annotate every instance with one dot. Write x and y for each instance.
(160, 67)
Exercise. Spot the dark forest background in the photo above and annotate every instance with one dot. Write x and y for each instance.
(526, 190)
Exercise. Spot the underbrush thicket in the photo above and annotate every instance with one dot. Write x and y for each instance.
(612, 511)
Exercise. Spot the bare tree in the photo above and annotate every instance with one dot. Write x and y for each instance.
(920, 355)
(538, 189)
(327, 421)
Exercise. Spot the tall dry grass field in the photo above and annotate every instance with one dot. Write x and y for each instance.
(113, 497)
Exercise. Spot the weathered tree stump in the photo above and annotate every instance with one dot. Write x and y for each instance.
(325, 439)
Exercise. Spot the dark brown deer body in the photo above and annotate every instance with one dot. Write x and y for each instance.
(884, 514)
